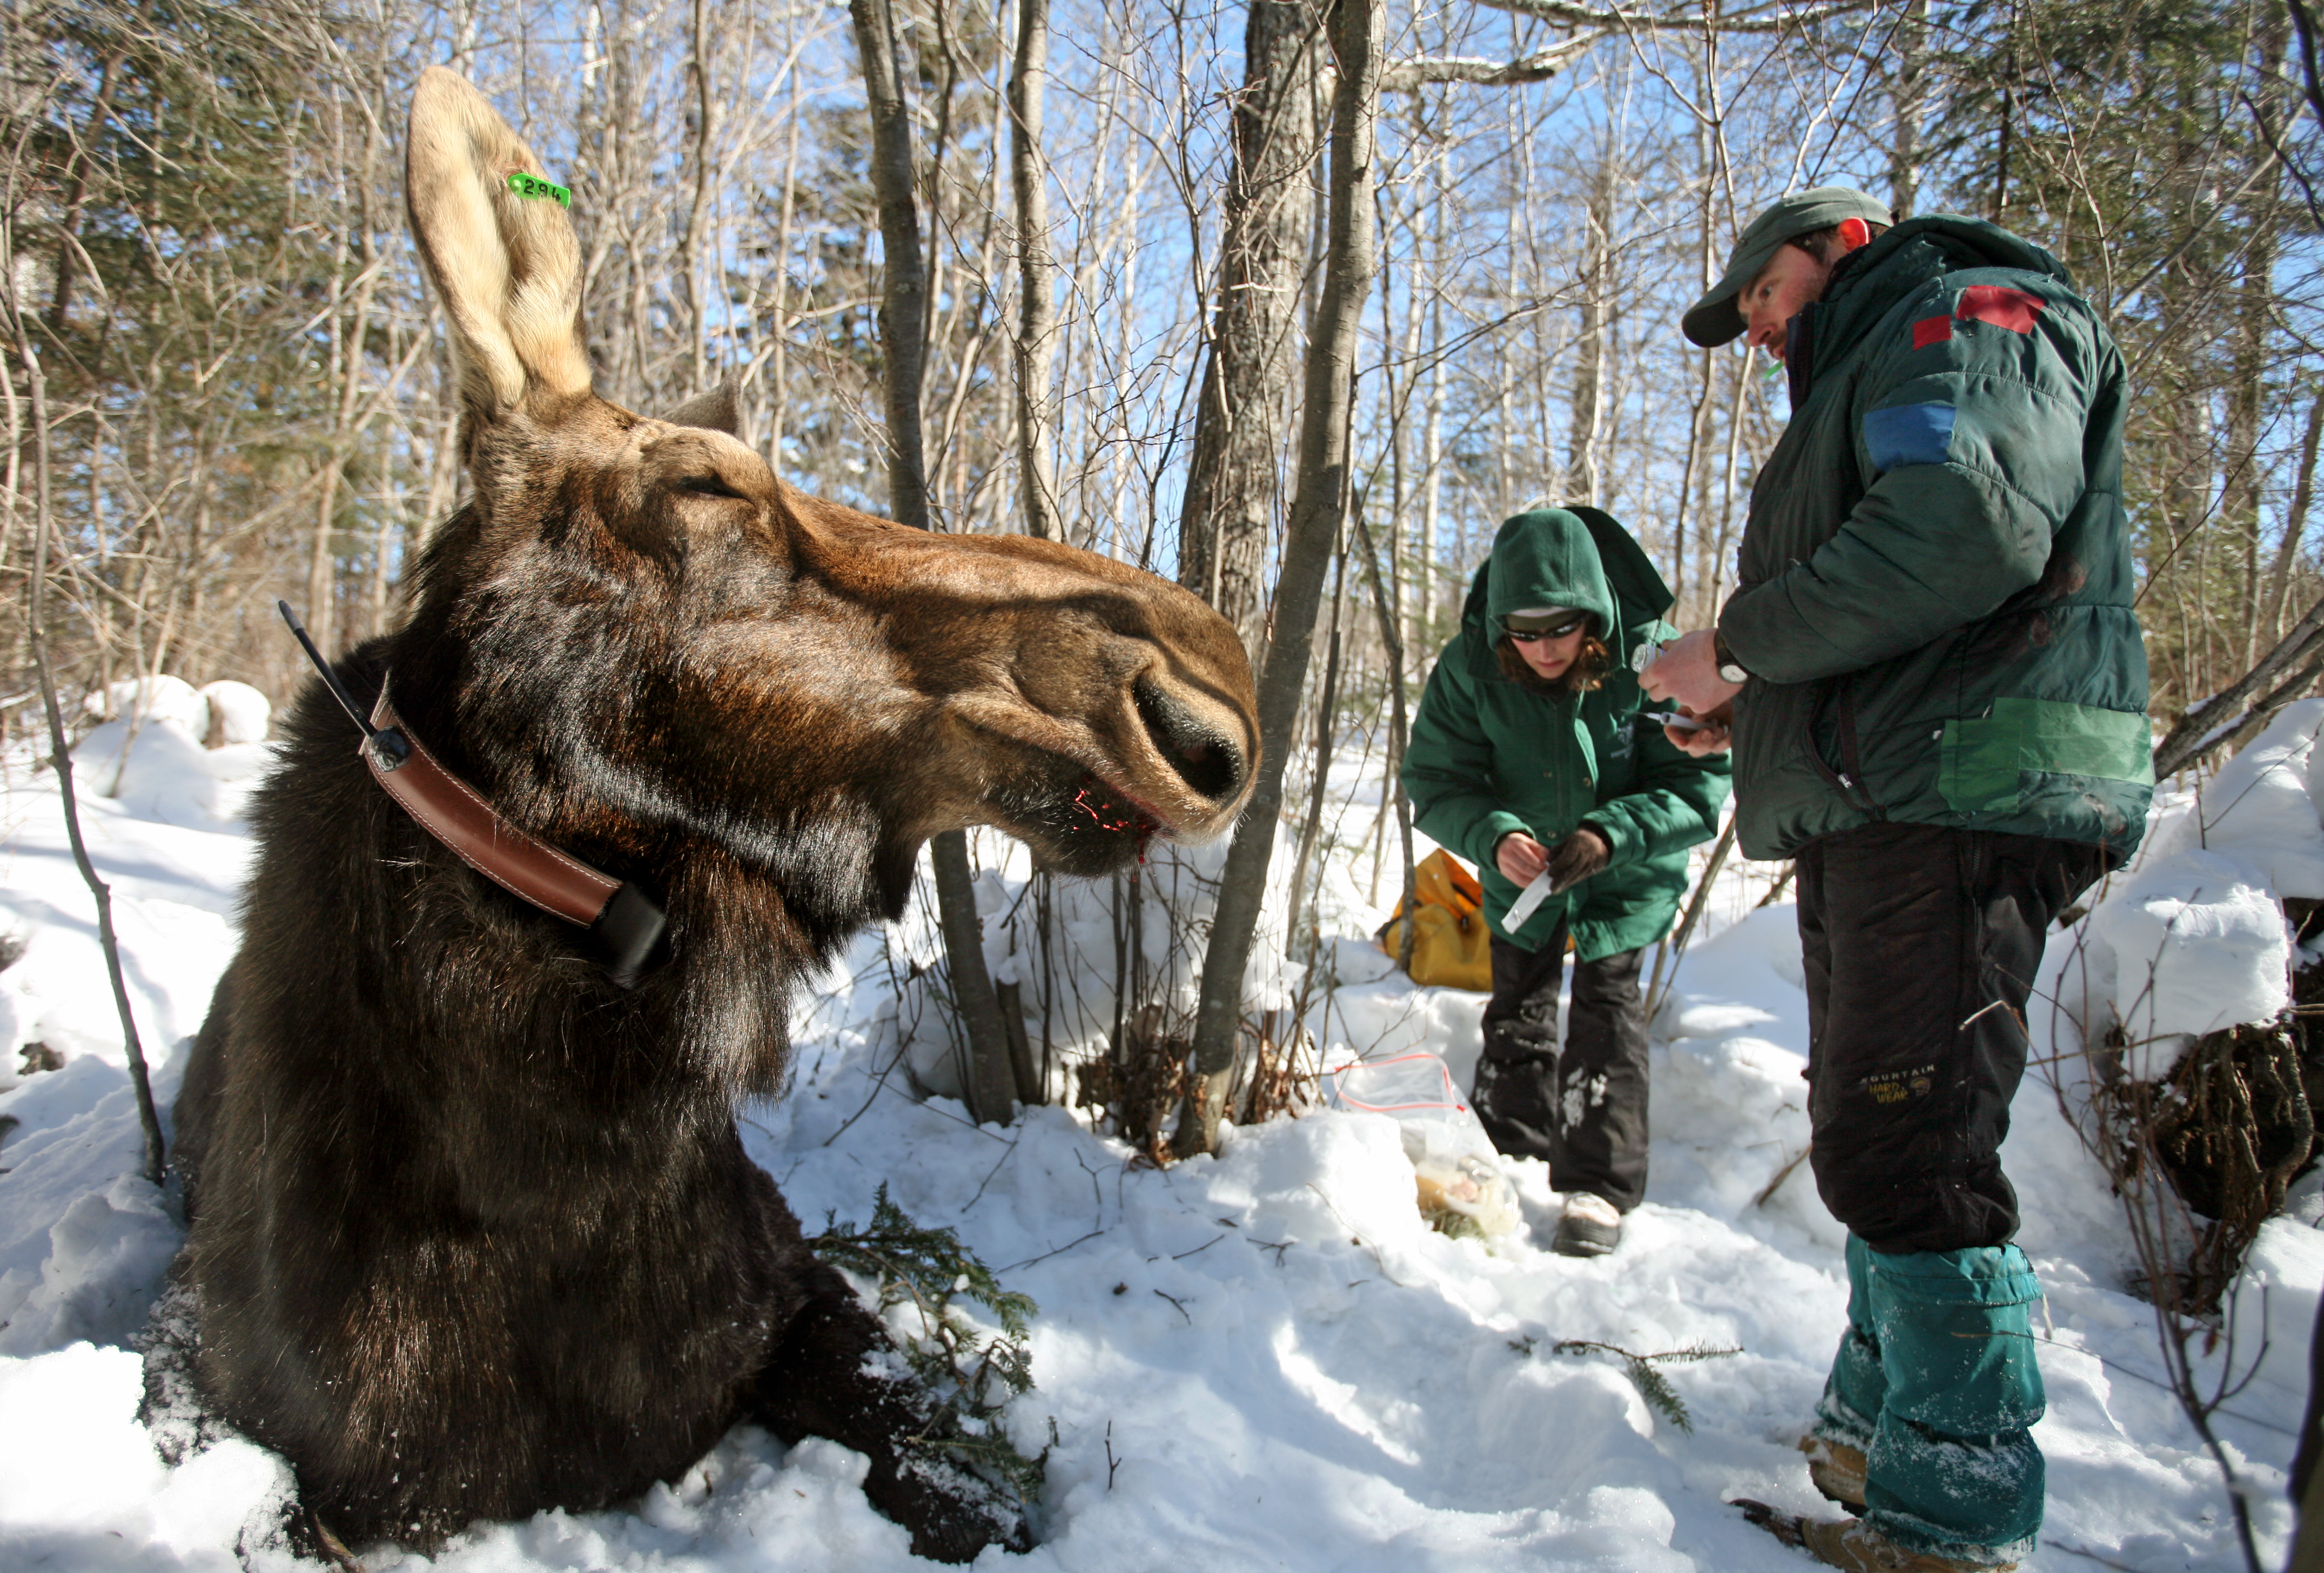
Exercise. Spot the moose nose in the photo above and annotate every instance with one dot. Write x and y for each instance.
(1205, 759)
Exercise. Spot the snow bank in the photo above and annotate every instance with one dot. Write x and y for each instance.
(1730, 1091)
(2195, 941)
(152, 756)
(142, 699)
(81, 1487)
(239, 713)
(2262, 806)
(160, 770)
(85, 1240)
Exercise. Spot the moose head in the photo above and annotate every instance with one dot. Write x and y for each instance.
(702, 654)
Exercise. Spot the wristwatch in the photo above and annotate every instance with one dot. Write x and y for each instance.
(1731, 670)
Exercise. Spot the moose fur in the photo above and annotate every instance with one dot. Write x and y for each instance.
(473, 1231)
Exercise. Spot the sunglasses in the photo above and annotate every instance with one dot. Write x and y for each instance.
(1527, 636)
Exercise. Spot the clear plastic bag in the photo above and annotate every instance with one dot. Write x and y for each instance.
(1462, 1190)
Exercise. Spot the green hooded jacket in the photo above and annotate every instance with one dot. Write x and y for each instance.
(1934, 594)
(1488, 756)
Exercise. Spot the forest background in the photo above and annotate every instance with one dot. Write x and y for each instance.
(226, 381)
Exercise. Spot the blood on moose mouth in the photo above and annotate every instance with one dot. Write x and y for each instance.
(1099, 806)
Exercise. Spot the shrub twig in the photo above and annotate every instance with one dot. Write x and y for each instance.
(149, 1119)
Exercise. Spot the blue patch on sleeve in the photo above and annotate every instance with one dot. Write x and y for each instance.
(1909, 434)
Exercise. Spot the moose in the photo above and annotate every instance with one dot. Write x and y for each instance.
(473, 1232)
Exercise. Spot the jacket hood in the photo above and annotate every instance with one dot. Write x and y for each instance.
(1544, 559)
(1964, 241)
(1867, 282)
(1580, 558)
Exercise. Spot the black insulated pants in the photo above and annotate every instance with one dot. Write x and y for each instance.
(1582, 1108)
(1920, 945)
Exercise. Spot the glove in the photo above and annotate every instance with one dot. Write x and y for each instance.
(1575, 859)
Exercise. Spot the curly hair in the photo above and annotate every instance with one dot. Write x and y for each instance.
(1588, 672)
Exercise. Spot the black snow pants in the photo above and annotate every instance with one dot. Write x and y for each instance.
(1584, 1109)
(1919, 944)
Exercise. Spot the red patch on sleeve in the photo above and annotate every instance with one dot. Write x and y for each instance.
(1932, 330)
(2014, 309)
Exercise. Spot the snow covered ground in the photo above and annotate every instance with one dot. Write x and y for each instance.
(1259, 1360)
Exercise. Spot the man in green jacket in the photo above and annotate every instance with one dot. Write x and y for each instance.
(1939, 710)
(1529, 758)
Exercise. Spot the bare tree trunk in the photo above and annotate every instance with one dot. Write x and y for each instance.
(1037, 312)
(1736, 409)
(1394, 639)
(1353, 29)
(689, 258)
(347, 344)
(2295, 522)
(84, 154)
(779, 393)
(2254, 319)
(902, 321)
(1583, 465)
(1227, 520)
(1908, 94)
(1326, 733)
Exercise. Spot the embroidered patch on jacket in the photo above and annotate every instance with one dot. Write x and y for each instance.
(1909, 434)
(2014, 309)
(1932, 330)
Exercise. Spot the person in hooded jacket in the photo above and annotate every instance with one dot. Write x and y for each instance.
(1530, 758)
(1939, 709)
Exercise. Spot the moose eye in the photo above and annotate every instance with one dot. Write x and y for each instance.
(707, 486)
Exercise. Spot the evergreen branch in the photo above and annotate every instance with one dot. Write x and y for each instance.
(1652, 1384)
(958, 1366)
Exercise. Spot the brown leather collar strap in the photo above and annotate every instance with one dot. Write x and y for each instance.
(448, 809)
(623, 927)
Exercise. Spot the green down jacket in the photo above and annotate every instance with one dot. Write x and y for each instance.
(1489, 756)
(1934, 594)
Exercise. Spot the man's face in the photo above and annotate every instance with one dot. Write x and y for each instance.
(1791, 280)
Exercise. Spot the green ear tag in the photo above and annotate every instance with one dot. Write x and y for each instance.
(534, 185)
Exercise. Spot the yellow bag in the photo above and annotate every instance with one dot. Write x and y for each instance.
(1450, 943)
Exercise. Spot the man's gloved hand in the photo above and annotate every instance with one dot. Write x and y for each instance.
(1576, 857)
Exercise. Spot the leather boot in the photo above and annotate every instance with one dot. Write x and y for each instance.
(1837, 1469)
(1856, 1546)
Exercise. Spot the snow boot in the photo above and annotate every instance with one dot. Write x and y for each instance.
(1590, 1227)
(1935, 1387)
(1856, 1546)
(1953, 1468)
(1837, 1471)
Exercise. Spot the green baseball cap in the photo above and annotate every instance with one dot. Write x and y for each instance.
(1713, 319)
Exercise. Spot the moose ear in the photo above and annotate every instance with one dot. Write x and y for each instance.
(505, 263)
(720, 409)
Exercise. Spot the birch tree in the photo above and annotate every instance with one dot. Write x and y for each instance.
(1353, 29)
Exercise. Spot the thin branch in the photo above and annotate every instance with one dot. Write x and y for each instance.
(1756, 19)
(60, 757)
(1405, 75)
